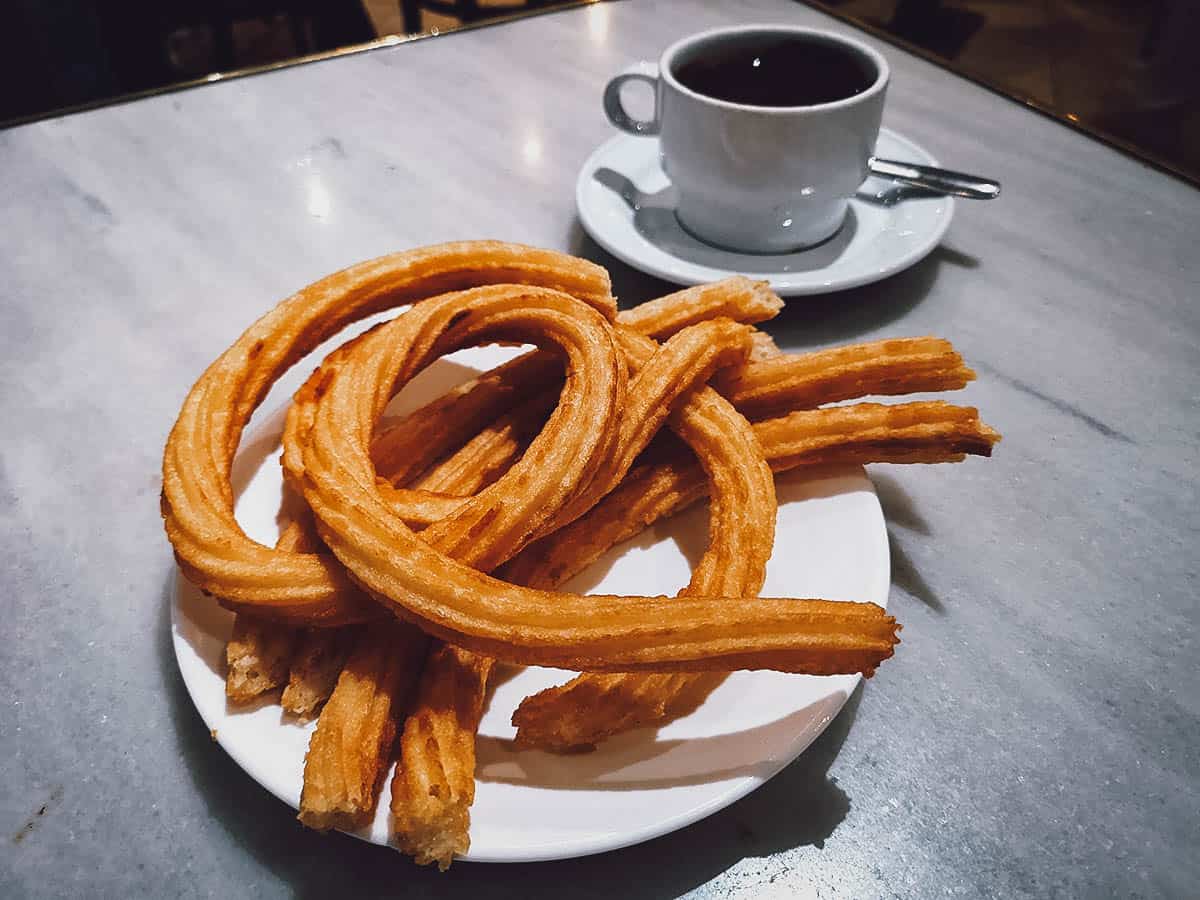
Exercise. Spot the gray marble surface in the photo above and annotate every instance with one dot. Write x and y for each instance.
(1037, 732)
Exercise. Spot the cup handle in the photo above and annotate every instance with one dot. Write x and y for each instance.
(615, 110)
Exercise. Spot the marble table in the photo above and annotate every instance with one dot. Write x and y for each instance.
(1036, 734)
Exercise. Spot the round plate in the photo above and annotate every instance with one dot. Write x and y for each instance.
(888, 228)
(537, 806)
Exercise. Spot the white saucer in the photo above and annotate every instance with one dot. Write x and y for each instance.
(876, 241)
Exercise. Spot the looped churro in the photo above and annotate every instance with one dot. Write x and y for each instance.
(463, 606)
(197, 500)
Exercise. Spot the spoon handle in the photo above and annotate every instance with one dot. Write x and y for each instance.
(943, 181)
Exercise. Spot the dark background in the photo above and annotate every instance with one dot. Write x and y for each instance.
(1125, 70)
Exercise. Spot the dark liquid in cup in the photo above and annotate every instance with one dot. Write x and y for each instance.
(780, 71)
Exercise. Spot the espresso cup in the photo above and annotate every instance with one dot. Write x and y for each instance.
(764, 130)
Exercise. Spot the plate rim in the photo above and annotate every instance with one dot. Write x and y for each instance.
(694, 273)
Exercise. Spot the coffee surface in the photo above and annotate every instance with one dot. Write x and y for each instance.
(776, 71)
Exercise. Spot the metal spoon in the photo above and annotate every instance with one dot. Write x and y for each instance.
(943, 181)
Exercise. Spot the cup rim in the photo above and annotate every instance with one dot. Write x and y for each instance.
(883, 72)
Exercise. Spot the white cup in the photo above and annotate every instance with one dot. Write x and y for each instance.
(758, 179)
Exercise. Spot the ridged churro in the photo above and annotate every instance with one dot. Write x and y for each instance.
(463, 606)
(197, 499)
(348, 753)
(434, 784)
(589, 708)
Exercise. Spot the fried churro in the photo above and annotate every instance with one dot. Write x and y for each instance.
(197, 499)
(589, 708)
(348, 753)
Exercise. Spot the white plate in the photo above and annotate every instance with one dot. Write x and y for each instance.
(876, 241)
(536, 806)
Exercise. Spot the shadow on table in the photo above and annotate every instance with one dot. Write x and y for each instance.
(847, 316)
(901, 513)
(801, 806)
(810, 321)
(630, 285)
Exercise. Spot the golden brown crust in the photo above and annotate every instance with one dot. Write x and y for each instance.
(764, 347)
(467, 532)
(575, 716)
(737, 298)
(489, 453)
(257, 658)
(741, 537)
(197, 500)
(772, 386)
(406, 448)
(465, 607)
(591, 707)
(434, 784)
(316, 664)
(667, 377)
(259, 652)
(489, 423)
(349, 751)
(669, 481)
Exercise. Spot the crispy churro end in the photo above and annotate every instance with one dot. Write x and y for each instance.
(436, 840)
(327, 820)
